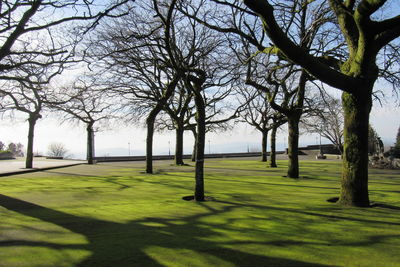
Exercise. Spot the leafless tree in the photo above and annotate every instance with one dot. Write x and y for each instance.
(132, 56)
(258, 113)
(204, 62)
(246, 38)
(35, 47)
(30, 99)
(179, 112)
(154, 49)
(39, 34)
(87, 103)
(327, 120)
(57, 150)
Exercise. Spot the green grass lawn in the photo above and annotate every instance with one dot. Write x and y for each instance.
(115, 215)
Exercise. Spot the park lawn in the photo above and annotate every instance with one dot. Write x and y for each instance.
(115, 215)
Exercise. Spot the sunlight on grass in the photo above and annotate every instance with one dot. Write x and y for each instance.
(184, 257)
(114, 215)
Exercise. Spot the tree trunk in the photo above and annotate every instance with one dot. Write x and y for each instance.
(31, 132)
(354, 185)
(264, 146)
(200, 136)
(273, 148)
(90, 143)
(150, 122)
(179, 145)
(293, 147)
(149, 139)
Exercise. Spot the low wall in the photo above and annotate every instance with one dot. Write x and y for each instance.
(171, 157)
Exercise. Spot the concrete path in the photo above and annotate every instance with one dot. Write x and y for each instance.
(16, 166)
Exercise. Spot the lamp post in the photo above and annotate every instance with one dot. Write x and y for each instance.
(169, 148)
(129, 148)
(209, 147)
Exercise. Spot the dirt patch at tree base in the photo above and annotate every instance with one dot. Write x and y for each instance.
(333, 199)
(191, 198)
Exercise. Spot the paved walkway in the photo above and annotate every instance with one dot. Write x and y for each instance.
(16, 166)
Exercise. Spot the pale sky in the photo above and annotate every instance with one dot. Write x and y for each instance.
(121, 141)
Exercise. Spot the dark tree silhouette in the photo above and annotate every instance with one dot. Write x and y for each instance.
(202, 59)
(258, 113)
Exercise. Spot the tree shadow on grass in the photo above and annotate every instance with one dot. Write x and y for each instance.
(315, 213)
(385, 206)
(112, 179)
(124, 244)
(269, 183)
(73, 174)
(265, 171)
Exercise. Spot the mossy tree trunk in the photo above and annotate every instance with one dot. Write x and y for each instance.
(264, 145)
(90, 143)
(33, 117)
(354, 189)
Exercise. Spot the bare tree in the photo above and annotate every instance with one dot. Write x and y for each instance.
(327, 120)
(152, 50)
(35, 48)
(57, 150)
(34, 33)
(291, 106)
(247, 40)
(257, 113)
(87, 104)
(132, 55)
(29, 99)
(179, 112)
(201, 57)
